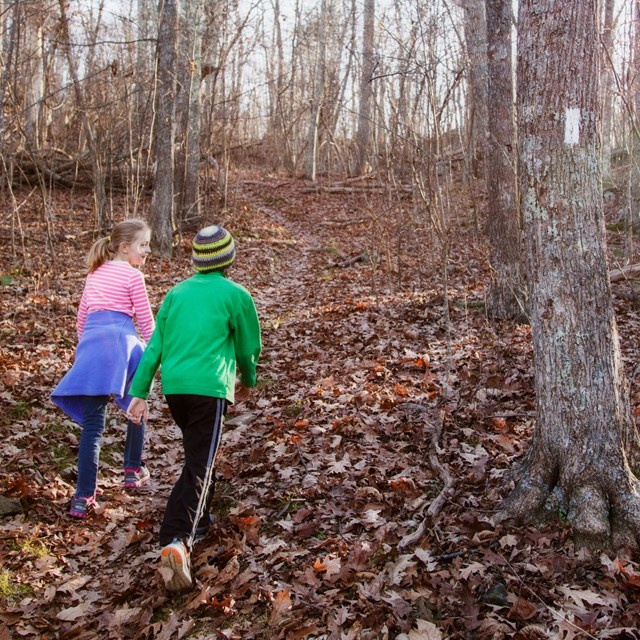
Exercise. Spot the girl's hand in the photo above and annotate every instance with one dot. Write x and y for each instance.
(242, 393)
(138, 410)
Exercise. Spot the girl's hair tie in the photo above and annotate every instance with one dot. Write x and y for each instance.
(108, 238)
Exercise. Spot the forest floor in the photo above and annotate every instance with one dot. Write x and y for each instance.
(381, 384)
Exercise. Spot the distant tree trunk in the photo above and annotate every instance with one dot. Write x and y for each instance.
(189, 110)
(607, 87)
(99, 194)
(475, 33)
(368, 61)
(32, 52)
(7, 49)
(633, 202)
(146, 26)
(162, 205)
(585, 447)
(506, 296)
(277, 89)
(316, 103)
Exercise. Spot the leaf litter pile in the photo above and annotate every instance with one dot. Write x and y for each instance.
(355, 489)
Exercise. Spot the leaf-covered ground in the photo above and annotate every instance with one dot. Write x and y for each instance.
(383, 392)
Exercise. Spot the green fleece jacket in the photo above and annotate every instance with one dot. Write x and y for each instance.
(206, 325)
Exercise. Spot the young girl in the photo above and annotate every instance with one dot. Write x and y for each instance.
(107, 354)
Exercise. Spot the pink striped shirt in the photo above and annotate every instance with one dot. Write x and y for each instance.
(117, 286)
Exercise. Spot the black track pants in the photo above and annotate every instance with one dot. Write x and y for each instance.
(200, 418)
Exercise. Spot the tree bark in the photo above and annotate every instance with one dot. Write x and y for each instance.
(506, 298)
(162, 205)
(585, 445)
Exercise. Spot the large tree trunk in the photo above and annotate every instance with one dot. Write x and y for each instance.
(506, 297)
(162, 205)
(585, 444)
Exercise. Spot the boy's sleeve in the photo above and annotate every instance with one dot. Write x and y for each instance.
(247, 341)
(143, 378)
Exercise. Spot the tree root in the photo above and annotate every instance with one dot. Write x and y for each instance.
(626, 521)
(525, 503)
(602, 516)
(589, 517)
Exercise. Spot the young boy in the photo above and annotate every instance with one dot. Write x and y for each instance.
(206, 326)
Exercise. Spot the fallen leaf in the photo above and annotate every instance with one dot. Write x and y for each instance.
(425, 631)
(281, 606)
(73, 613)
(522, 610)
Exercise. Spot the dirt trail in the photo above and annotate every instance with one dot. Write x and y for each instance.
(324, 475)
(318, 479)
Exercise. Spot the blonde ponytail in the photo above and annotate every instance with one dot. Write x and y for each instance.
(100, 252)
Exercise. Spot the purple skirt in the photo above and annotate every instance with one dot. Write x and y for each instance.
(106, 359)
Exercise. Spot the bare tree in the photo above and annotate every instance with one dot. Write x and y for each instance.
(607, 87)
(585, 447)
(32, 53)
(162, 204)
(368, 63)
(8, 38)
(99, 193)
(318, 95)
(188, 109)
(147, 27)
(141, 105)
(279, 127)
(506, 295)
(475, 32)
(633, 140)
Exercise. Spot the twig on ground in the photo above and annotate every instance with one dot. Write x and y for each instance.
(442, 498)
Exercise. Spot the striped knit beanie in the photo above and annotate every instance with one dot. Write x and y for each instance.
(213, 249)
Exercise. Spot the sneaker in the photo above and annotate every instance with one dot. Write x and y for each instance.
(175, 567)
(134, 478)
(79, 507)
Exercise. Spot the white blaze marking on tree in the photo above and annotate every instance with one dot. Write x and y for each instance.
(572, 126)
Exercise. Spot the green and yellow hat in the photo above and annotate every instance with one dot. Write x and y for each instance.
(213, 249)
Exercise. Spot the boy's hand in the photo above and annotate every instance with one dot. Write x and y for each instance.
(138, 409)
